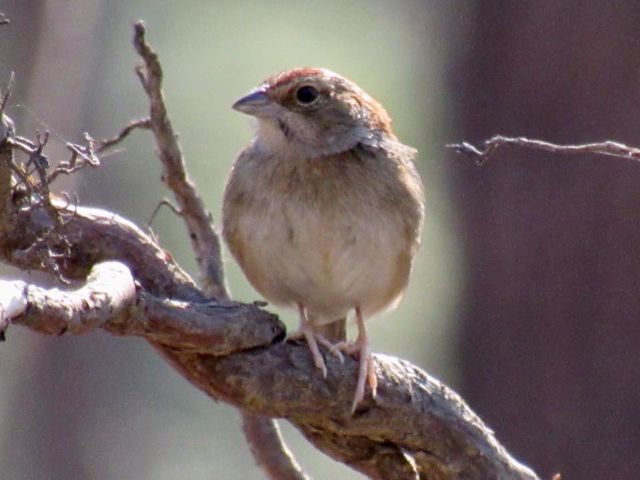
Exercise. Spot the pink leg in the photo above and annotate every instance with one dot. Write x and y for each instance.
(366, 371)
(306, 330)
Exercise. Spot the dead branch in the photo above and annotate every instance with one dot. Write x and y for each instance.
(268, 448)
(110, 290)
(205, 242)
(280, 380)
(482, 155)
(416, 429)
(273, 456)
(391, 438)
(109, 300)
(141, 123)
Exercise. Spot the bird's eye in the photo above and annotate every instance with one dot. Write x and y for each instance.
(306, 95)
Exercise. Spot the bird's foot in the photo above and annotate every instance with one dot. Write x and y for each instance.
(313, 338)
(366, 369)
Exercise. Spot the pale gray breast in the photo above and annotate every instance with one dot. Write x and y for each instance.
(330, 232)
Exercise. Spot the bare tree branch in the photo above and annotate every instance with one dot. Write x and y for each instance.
(417, 428)
(109, 300)
(262, 434)
(109, 292)
(102, 145)
(13, 302)
(165, 202)
(380, 438)
(269, 450)
(392, 438)
(482, 155)
(205, 242)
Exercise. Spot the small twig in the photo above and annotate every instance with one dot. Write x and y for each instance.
(480, 156)
(33, 150)
(102, 145)
(40, 162)
(165, 202)
(150, 74)
(23, 144)
(88, 153)
(19, 172)
(49, 249)
(81, 154)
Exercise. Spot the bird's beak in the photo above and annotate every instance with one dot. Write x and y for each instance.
(256, 103)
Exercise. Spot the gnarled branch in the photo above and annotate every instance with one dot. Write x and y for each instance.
(416, 429)
(262, 434)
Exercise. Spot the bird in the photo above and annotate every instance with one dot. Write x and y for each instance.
(324, 209)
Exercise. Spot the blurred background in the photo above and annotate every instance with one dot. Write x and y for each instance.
(526, 292)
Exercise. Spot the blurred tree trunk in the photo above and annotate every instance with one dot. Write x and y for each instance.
(551, 334)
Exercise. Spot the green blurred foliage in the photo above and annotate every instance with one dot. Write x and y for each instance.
(212, 53)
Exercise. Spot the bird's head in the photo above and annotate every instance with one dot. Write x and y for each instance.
(314, 112)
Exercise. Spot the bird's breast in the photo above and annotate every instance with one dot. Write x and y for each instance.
(316, 234)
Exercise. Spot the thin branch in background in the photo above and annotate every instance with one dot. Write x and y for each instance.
(263, 431)
(482, 155)
(199, 223)
(142, 123)
(165, 202)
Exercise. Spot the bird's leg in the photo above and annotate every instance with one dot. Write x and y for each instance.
(366, 368)
(305, 330)
(366, 371)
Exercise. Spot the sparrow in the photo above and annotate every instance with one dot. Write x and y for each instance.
(324, 209)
